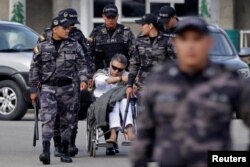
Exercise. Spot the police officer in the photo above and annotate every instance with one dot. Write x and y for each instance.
(71, 15)
(189, 105)
(110, 38)
(55, 63)
(151, 48)
(107, 40)
(76, 34)
(169, 20)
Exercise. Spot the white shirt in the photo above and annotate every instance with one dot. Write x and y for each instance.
(101, 85)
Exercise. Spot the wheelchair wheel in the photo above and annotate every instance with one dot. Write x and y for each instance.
(94, 149)
(88, 137)
(92, 142)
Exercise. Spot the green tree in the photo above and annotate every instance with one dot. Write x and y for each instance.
(17, 13)
(204, 9)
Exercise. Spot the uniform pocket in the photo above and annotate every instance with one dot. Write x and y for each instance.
(70, 59)
(46, 57)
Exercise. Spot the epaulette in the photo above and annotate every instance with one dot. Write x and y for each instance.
(126, 28)
(42, 38)
(71, 39)
(36, 51)
(90, 39)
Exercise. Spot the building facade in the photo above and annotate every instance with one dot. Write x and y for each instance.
(229, 14)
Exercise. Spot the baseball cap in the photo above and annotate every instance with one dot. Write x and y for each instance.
(195, 23)
(60, 21)
(110, 10)
(148, 18)
(69, 14)
(166, 13)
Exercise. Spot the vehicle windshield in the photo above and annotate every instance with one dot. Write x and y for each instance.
(16, 38)
(221, 46)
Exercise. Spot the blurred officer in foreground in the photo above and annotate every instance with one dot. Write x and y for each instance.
(53, 68)
(169, 20)
(189, 105)
(151, 48)
(110, 38)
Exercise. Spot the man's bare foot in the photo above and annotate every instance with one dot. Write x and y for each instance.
(130, 133)
(112, 138)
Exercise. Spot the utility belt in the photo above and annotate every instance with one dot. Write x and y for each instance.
(59, 82)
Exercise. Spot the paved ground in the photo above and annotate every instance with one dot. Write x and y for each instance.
(16, 148)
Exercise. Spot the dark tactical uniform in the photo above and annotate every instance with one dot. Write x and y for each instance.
(56, 71)
(77, 35)
(187, 115)
(147, 54)
(105, 44)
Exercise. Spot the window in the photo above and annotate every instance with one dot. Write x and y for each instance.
(99, 5)
(133, 8)
(17, 38)
(221, 46)
(155, 7)
(190, 7)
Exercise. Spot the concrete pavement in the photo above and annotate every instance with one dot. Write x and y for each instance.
(16, 148)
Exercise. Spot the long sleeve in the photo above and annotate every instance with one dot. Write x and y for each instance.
(35, 67)
(89, 59)
(143, 145)
(81, 65)
(91, 50)
(170, 50)
(134, 67)
(131, 43)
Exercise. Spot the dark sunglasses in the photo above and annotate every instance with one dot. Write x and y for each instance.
(117, 69)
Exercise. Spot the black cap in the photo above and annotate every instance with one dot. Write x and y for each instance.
(166, 13)
(60, 21)
(195, 23)
(148, 18)
(110, 10)
(69, 14)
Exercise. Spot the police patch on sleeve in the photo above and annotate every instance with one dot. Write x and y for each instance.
(90, 39)
(36, 50)
(41, 38)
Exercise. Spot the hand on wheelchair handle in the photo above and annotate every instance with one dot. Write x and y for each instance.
(90, 83)
(33, 97)
(83, 86)
(130, 92)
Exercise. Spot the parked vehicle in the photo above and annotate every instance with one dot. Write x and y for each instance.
(16, 44)
(224, 52)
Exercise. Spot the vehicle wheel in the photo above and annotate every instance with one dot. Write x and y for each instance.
(12, 103)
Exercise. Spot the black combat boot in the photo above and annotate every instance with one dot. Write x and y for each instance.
(45, 156)
(73, 150)
(58, 148)
(116, 147)
(65, 156)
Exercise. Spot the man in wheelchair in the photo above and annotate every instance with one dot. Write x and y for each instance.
(104, 81)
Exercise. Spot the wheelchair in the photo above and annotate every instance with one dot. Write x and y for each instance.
(94, 133)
